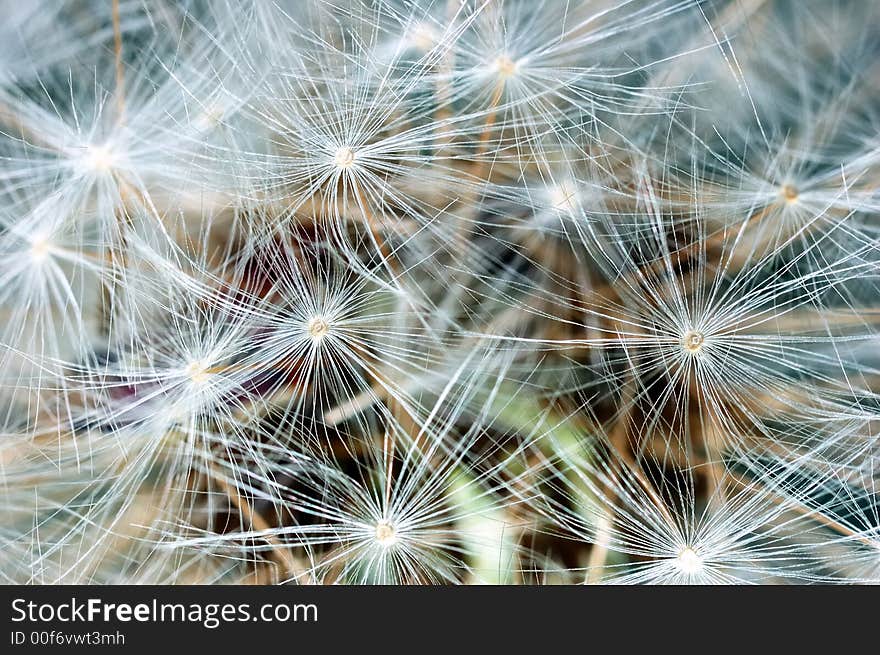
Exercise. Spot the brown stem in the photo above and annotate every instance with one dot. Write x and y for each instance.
(120, 70)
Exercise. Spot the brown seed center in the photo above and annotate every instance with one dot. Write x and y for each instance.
(344, 157)
(385, 533)
(318, 327)
(693, 341)
(506, 66)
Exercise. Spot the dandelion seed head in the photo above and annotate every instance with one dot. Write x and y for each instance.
(505, 66)
(211, 117)
(386, 535)
(41, 248)
(562, 197)
(198, 372)
(689, 561)
(693, 342)
(332, 263)
(789, 193)
(317, 328)
(422, 36)
(344, 158)
(99, 158)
